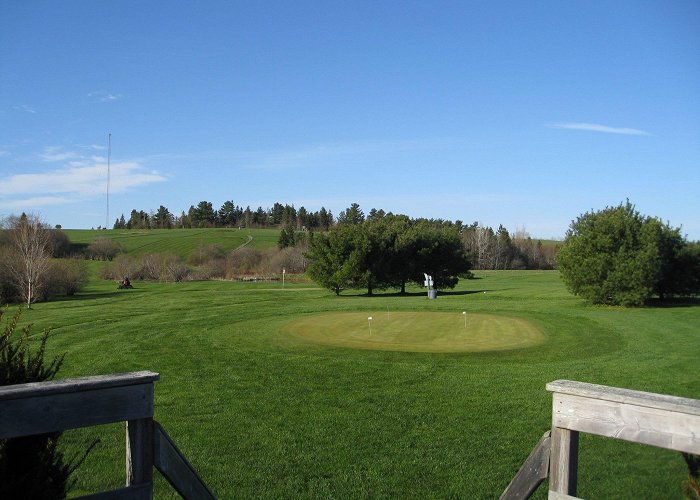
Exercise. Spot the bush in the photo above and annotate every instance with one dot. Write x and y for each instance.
(172, 268)
(205, 253)
(30, 466)
(67, 277)
(292, 259)
(123, 265)
(9, 293)
(103, 249)
(246, 260)
(618, 257)
(60, 245)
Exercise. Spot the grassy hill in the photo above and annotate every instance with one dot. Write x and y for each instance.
(263, 413)
(179, 241)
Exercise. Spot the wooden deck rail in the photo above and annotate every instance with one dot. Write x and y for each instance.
(42, 407)
(641, 417)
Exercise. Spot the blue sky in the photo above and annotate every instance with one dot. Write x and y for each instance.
(525, 114)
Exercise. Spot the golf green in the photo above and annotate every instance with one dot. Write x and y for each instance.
(416, 331)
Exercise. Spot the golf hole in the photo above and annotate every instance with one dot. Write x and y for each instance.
(416, 331)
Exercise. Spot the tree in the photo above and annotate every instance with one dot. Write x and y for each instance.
(351, 215)
(30, 255)
(388, 251)
(120, 223)
(163, 219)
(439, 253)
(617, 256)
(287, 237)
(227, 215)
(335, 258)
(203, 215)
(325, 219)
(138, 220)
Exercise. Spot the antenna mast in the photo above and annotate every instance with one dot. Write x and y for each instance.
(109, 159)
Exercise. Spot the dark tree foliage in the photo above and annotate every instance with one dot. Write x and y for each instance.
(387, 251)
(336, 258)
(351, 215)
(31, 467)
(616, 256)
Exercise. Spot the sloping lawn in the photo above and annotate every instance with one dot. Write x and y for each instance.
(263, 414)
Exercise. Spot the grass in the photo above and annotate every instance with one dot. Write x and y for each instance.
(261, 413)
(180, 241)
(416, 331)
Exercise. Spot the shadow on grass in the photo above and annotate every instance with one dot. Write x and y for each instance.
(414, 294)
(672, 303)
(93, 296)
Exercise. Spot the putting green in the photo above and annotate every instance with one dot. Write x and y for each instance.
(416, 331)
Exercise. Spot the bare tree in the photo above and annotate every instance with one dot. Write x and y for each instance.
(30, 242)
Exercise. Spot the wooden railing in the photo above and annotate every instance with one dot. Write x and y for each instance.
(37, 408)
(641, 417)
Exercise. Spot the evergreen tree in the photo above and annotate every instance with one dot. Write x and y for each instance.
(351, 215)
(617, 256)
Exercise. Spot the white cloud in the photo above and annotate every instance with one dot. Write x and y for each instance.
(320, 155)
(595, 127)
(58, 156)
(37, 201)
(78, 179)
(83, 180)
(103, 96)
(25, 108)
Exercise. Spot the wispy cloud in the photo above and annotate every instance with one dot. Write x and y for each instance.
(322, 155)
(104, 96)
(56, 153)
(25, 108)
(79, 178)
(596, 127)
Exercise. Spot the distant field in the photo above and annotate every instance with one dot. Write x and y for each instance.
(180, 241)
(265, 414)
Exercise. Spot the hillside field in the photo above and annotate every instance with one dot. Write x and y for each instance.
(179, 241)
(263, 413)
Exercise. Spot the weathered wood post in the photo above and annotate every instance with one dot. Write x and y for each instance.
(563, 472)
(661, 420)
(41, 407)
(139, 451)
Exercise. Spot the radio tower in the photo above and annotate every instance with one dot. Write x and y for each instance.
(109, 159)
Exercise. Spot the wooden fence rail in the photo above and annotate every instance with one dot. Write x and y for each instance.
(641, 417)
(42, 407)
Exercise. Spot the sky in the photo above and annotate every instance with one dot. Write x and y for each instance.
(521, 114)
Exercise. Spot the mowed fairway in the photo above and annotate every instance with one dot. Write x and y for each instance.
(262, 412)
(417, 331)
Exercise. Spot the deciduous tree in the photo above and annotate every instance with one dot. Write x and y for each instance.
(30, 255)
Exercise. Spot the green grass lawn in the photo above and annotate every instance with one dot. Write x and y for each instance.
(180, 241)
(454, 331)
(261, 413)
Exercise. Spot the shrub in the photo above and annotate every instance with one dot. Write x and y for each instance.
(244, 260)
(67, 276)
(103, 249)
(172, 268)
(618, 257)
(31, 466)
(205, 253)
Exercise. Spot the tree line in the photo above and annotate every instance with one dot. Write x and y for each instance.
(203, 215)
(488, 249)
